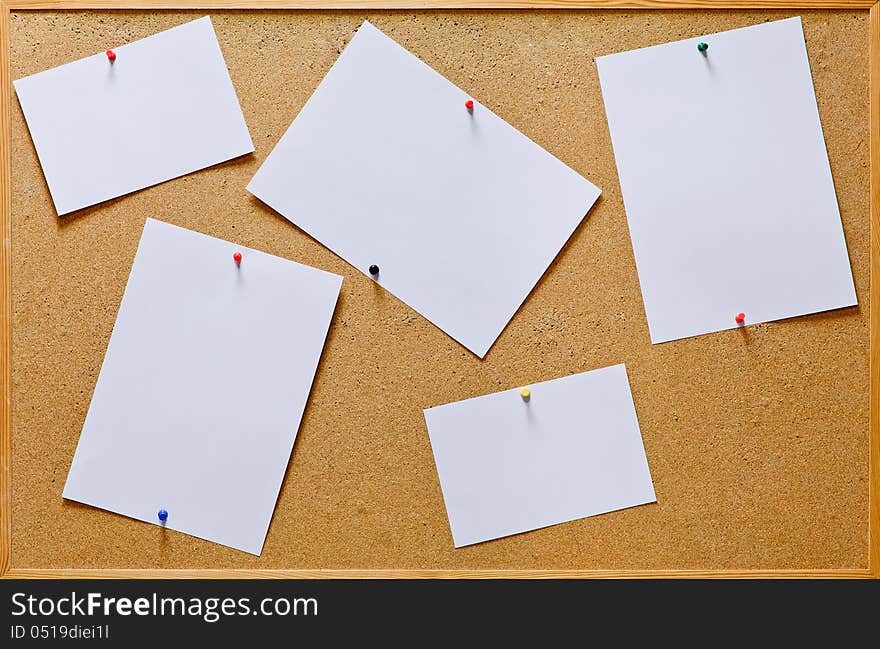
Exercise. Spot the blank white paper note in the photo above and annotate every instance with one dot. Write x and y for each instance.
(461, 212)
(507, 465)
(164, 108)
(203, 386)
(726, 181)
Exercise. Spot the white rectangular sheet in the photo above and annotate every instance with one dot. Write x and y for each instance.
(203, 386)
(164, 108)
(461, 212)
(726, 181)
(507, 465)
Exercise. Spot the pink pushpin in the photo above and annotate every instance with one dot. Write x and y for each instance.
(740, 318)
(236, 257)
(111, 55)
(469, 104)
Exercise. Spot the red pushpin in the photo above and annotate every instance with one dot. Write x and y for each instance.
(740, 318)
(236, 257)
(111, 55)
(469, 104)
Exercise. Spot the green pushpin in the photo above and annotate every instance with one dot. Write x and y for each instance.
(702, 47)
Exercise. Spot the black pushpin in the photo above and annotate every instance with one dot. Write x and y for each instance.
(702, 48)
(374, 270)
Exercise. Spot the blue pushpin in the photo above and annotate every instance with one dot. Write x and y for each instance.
(163, 515)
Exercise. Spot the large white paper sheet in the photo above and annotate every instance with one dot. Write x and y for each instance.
(203, 386)
(164, 108)
(507, 465)
(726, 181)
(461, 212)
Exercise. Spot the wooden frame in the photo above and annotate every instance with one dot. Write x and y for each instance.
(8, 6)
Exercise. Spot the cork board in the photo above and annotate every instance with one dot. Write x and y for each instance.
(758, 439)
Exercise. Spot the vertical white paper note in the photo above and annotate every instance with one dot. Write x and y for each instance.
(203, 386)
(573, 450)
(726, 182)
(461, 212)
(164, 108)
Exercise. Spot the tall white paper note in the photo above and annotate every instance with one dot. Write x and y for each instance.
(203, 386)
(507, 465)
(726, 182)
(164, 108)
(461, 212)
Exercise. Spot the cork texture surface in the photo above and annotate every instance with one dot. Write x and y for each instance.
(757, 439)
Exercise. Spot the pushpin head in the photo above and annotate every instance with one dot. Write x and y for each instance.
(469, 104)
(702, 47)
(374, 270)
(740, 318)
(525, 393)
(236, 257)
(111, 55)
(163, 515)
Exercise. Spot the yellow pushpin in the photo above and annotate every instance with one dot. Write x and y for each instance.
(525, 393)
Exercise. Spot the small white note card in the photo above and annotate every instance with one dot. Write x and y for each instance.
(507, 465)
(203, 386)
(164, 108)
(726, 181)
(461, 212)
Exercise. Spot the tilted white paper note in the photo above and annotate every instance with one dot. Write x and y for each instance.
(507, 465)
(726, 182)
(164, 108)
(461, 212)
(203, 386)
